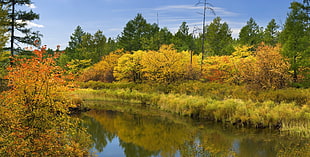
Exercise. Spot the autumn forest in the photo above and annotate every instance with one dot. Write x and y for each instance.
(259, 80)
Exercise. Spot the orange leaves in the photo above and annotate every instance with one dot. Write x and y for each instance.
(264, 68)
(103, 70)
(269, 70)
(34, 112)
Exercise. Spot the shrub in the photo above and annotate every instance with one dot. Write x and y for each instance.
(34, 116)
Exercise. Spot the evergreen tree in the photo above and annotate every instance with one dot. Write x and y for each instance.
(271, 33)
(4, 55)
(250, 34)
(76, 38)
(183, 40)
(3, 22)
(218, 38)
(18, 24)
(150, 40)
(295, 38)
(133, 34)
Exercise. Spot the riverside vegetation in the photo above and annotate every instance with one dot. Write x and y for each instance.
(35, 119)
(248, 88)
(286, 109)
(260, 80)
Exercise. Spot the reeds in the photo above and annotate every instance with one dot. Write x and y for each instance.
(285, 116)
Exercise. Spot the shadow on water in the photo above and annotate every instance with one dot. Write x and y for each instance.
(142, 132)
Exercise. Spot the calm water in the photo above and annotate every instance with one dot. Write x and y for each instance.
(140, 132)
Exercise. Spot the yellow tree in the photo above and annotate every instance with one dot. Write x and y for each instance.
(269, 69)
(34, 116)
(167, 65)
(129, 67)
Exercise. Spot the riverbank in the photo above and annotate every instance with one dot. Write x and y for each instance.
(286, 110)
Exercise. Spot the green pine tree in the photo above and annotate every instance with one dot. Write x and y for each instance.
(133, 34)
(271, 33)
(250, 34)
(182, 39)
(218, 38)
(295, 39)
(18, 25)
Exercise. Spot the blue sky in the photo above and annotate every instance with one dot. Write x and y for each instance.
(59, 18)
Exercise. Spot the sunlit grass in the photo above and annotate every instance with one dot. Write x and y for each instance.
(287, 116)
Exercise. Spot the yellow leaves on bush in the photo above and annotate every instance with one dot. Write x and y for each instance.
(218, 68)
(269, 69)
(264, 68)
(242, 51)
(103, 70)
(165, 66)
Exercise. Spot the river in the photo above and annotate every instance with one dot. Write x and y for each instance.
(122, 130)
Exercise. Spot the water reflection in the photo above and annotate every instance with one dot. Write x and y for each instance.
(139, 135)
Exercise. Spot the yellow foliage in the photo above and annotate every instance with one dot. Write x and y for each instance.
(129, 67)
(269, 69)
(242, 51)
(167, 65)
(103, 70)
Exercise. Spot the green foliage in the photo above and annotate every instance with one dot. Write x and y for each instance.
(295, 39)
(76, 66)
(271, 33)
(135, 32)
(85, 46)
(250, 34)
(218, 38)
(3, 30)
(182, 39)
(34, 113)
(22, 34)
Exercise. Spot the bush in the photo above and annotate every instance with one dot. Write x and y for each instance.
(34, 115)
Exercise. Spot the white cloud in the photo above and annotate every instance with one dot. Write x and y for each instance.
(32, 6)
(218, 10)
(235, 32)
(222, 12)
(30, 24)
(170, 7)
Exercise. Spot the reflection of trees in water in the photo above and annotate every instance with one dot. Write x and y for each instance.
(150, 135)
(99, 134)
(132, 150)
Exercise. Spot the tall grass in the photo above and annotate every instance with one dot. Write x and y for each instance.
(281, 115)
(215, 91)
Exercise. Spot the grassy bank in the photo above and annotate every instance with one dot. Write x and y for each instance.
(284, 109)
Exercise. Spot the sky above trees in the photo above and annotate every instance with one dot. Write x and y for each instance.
(59, 18)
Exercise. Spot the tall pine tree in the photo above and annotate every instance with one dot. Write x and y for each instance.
(295, 39)
(250, 34)
(18, 25)
(183, 40)
(271, 33)
(133, 34)
(3, 29)
(218, 38)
